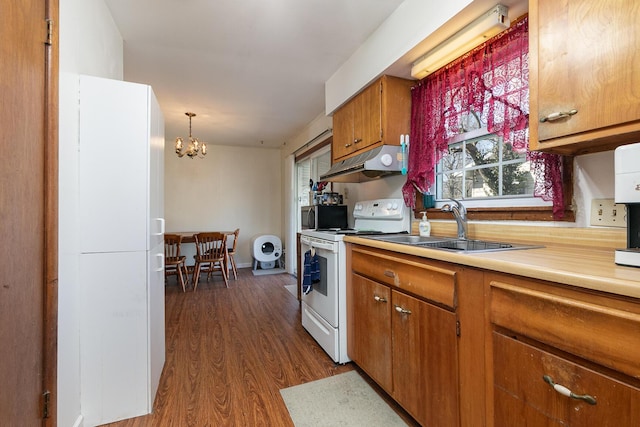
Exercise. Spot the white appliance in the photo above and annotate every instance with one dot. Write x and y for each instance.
(627, 191)
(266, 251)
(324, 308)
(121, 229)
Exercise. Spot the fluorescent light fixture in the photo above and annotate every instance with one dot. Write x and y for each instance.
(480, 30)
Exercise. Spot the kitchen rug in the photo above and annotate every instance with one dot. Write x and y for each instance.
(268, 271)
(293, 289)
(341, 400)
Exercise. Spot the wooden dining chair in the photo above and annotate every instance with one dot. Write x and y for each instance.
(231, 251)
(211, 252)
(174, 263)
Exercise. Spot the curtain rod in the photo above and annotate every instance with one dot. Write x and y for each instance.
(324, 132)
(304, 150)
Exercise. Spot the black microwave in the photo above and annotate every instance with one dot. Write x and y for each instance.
(320, 217)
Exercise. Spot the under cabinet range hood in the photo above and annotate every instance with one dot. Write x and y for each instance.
(375, 163)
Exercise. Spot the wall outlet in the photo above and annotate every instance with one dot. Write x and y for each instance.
(607, 213)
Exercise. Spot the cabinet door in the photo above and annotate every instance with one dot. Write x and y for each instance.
(367, 117)
(523, 398)
(372, 329)
(409, 368)
(114, 336)
(425, 361)
(113, 171)
(583, 58)
(342, 132)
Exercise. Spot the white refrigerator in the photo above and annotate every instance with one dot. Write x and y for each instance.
(121, 224)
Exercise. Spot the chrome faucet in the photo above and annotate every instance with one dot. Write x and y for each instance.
(460, 214)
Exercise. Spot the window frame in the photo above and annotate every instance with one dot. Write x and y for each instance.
(470, 137)
(511, 213)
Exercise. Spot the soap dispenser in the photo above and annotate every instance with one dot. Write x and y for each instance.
(425, 226)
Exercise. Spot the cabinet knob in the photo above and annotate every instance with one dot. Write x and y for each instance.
(558, 115)
(357, 140)
(566, 392)
(379, 298)
(347, 145)
(402, 310)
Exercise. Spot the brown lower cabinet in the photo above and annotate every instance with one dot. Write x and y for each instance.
(403, 331)
(457, 346)
(561, 356)
(409, 347)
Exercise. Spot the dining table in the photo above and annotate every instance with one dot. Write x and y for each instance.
(189, 237)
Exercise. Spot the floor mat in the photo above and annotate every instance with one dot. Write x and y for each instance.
(268, 271)
(341, 400)
(293, 289)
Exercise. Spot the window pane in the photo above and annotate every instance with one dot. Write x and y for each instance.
(482, 151)
(323, 163)
(509, 154)
(451, 185)
(517, 179)
(453, 160)
(472, 170)
(303, 172)
(483, 182)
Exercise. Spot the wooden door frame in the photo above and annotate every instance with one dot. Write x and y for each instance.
(51, 116)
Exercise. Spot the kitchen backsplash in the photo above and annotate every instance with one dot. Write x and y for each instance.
(592, 237)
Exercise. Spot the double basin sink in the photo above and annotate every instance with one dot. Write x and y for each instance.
(451, 244)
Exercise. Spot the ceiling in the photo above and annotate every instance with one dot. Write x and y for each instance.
(252, 70)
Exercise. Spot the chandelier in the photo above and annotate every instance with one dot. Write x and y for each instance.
(195, 147)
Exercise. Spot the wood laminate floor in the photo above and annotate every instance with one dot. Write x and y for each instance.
(230, 351)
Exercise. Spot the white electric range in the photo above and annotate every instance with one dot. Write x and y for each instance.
(324, 309)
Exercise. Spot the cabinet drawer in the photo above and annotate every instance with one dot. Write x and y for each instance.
(585, 325)
(431, 282)
(521, 390)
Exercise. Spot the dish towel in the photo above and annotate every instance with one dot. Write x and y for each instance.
(311, 272)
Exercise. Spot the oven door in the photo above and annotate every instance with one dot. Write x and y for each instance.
(323, 298)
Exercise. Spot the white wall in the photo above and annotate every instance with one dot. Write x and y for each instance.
(89, 44)
(233, 187)
(408, 25)
(593, 178)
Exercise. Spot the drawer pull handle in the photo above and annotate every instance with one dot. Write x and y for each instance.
(389, 273)
(402, 310)
(566, 392)
(379, 299)
(558, 115)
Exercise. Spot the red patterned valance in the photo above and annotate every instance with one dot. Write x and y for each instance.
(492, 81)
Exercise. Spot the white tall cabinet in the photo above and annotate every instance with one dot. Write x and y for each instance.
(121, 227)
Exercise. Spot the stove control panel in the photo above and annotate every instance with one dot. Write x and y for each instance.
(382, 209)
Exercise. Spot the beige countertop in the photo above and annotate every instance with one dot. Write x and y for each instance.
(582, 266)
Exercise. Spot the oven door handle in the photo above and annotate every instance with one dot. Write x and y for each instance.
(316, 244)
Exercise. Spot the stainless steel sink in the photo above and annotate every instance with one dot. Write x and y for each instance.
(409, 239)
(452, 244)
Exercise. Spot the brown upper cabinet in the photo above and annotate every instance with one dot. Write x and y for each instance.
(584, 83)
(377, 115)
